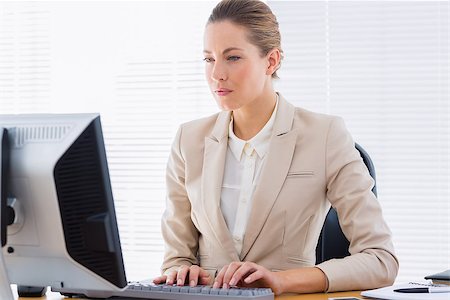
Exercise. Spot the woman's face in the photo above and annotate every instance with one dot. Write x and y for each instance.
(236, 73)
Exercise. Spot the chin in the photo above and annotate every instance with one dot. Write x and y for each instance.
(227, 106)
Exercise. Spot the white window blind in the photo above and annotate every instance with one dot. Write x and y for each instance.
(383, 66)
(24, 59)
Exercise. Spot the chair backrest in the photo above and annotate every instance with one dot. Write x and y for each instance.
(332, 241)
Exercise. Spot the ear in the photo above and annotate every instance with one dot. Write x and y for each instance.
(273, 61)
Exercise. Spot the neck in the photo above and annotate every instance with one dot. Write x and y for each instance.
(249, 120)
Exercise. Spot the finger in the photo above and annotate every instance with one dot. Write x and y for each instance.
(181, 275)
(242, 272)
(230, 273)
(171, 277)
(219, 278)
(258, 274)
(160, 279)
(204, 277)
(193, 275)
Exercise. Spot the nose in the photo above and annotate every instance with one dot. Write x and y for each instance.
(219, 72)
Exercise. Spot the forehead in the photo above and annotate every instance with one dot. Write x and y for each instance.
(225, 34)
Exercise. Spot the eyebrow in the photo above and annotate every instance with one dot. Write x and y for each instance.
(226, 50)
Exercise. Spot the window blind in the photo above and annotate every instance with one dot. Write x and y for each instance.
(382, 66)
(24, 59)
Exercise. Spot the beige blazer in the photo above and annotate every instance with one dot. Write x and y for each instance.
(311, 164)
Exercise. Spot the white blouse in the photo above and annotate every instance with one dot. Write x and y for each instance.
(243, 165)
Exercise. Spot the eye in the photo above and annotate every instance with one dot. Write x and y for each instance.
(234, 58)
(208, 59)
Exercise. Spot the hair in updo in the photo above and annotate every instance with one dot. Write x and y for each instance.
(257, 18)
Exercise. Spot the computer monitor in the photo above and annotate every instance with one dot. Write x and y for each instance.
(64, 231)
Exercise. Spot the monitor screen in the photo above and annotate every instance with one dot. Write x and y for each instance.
(64, 232)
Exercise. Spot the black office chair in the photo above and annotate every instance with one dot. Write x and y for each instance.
(332, 241)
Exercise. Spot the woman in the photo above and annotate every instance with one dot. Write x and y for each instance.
(249, 187)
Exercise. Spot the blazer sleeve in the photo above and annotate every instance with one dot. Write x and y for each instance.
(372, 262)
(179, 233)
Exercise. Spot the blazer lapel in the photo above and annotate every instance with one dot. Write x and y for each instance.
(212, 177)
(278, 161)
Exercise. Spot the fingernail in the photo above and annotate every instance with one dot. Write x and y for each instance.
(179, 282)
(232, 282)
(192, 283)
(225, 286)
(215, 285)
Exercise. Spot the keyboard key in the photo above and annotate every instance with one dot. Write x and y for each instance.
(175, 289)
(156, 287)
(206, 290)
(246, 293)
(223, 292)
(234, 292)
(195, 290)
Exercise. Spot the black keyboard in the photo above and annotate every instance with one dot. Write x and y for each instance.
(138, 290)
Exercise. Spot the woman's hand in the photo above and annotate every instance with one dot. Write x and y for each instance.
(194, 275)
(248, 274)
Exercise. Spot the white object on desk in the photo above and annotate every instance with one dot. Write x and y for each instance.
(387, 293)
(5, 288)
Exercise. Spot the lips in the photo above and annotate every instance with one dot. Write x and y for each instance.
(223, 91)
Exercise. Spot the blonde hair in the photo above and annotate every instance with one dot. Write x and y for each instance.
(257, 18)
